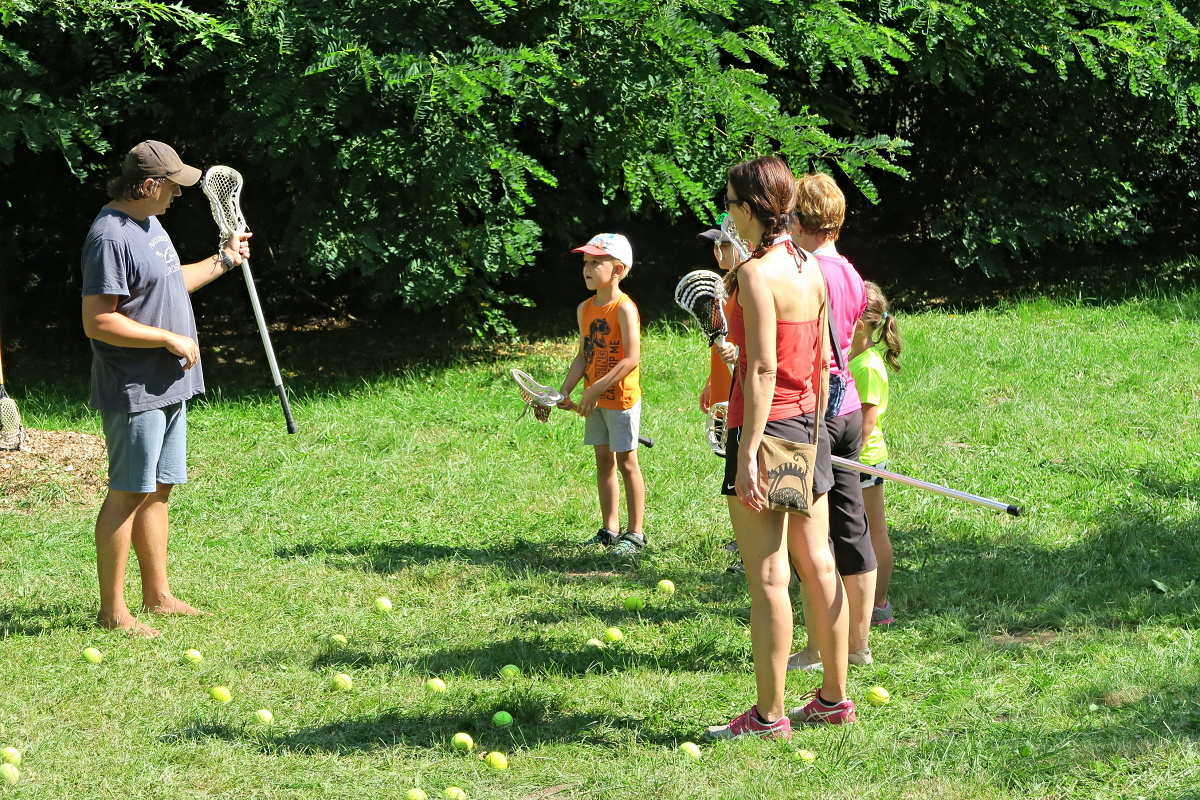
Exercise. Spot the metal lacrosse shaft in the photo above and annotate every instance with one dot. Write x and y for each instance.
(266, 340)
(1015, 511)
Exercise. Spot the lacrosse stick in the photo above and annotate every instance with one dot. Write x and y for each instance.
(12, 433)
(542, 399)
(715, 429)
(223, 185)
(732, 236)
(700, 293)
(1015, 511)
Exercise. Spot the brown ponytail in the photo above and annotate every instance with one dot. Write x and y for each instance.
(882, 325)
(768, 188)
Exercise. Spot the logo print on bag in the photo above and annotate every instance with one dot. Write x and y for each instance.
(787, 482)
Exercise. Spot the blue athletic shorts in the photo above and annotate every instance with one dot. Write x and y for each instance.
(146, 448)
(617, 428)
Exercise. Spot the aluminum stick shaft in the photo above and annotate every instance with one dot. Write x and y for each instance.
(1015, 511)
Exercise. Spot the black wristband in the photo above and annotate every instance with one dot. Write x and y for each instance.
(226, 260)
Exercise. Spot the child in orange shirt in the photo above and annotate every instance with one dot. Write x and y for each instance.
(607, 362)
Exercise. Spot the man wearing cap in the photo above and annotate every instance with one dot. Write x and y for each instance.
(145, 367)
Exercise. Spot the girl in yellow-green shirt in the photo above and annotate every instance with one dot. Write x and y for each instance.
(870, 371)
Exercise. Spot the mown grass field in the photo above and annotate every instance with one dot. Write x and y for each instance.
(1033, 656)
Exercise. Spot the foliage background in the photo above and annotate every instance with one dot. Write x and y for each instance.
(446, 155)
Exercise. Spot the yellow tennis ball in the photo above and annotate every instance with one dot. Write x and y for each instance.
(634, 604)
(496, 760)
(595, 643)
(193, 656)
(341, 682)
(806, 755)
(435, 685)
(690, 749)
(10, 773)
(338, 640)
(383, 605)
(10, 755)
(92, 655)
(510, 671)
(613, 635)
(454, 793)
(666, 587)
(463, 742)
(221, 694)
(264, 716)
(878, 695)
(415, 794)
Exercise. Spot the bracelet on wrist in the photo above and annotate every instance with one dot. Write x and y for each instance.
(226, 260)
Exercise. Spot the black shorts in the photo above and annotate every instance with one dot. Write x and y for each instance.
(796, 429)
(849, 535)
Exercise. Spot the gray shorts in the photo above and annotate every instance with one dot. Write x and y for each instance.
(617, 428)
(146, 448)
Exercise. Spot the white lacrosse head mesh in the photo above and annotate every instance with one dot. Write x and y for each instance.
(740, 246)
(223, 185)
(11, 432)
(716, 431)
(540, 393)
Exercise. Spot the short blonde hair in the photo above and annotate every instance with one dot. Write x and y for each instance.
(820, 204)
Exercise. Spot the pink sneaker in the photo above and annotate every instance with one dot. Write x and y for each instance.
(817, 713)
(748, 724)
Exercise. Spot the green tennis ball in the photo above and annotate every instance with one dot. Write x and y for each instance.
(634, 604)
(10, 755)
(595, 643)
(613, 635)
(337, 640)
(463, 742)
(690, 749)
(193, 656)
(496, 760)
(92, 655)
(454, 793)
(806, 755)
(502, 719)
(10, 773)
(666, 587)
(510, 671)
(435, 685)
(221, 694)
(878, 695)
(341, 682)
(383, 605)
(415, 794)
(264, 716)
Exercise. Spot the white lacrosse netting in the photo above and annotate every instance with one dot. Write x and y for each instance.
(700, 293)
(740, 247)
(223, 186)
(539, 397)
(12, 433)
(715, 429)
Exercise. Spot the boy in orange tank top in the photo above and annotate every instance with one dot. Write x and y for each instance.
(607, 362)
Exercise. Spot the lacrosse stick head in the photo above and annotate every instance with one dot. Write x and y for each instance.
(700, 293)
(715, 429)
(12, 433)
(223, 186)
(539, 397)
(740, 247)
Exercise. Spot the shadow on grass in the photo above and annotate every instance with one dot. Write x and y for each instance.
(1132, 566)
(536, 722)
(35, 620)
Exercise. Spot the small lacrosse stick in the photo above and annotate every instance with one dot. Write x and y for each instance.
(12, 433)
(700, 293)
(715, 430)
(223, 185)
(542, 399)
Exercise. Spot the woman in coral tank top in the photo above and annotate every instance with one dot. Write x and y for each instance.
(774, 319)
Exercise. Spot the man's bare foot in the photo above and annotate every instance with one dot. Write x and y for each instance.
(173, 605)
(129, 624)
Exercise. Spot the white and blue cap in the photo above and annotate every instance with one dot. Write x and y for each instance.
(609, 244)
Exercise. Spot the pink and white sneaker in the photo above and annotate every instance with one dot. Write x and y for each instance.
(748, 724)
(817, 713)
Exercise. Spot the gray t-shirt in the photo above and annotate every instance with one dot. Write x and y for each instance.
(137, 262)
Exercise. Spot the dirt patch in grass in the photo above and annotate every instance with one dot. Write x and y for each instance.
(62, 465)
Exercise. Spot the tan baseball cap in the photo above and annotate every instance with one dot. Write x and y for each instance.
(152, 159)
